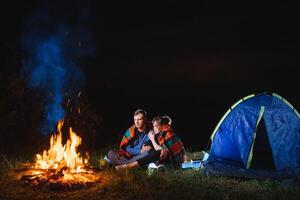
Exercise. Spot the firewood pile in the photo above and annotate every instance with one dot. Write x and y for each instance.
(56, 180)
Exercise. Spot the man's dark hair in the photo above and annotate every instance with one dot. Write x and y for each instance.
(140, 111)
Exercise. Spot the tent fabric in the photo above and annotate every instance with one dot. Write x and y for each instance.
(235, 135)
(221, 169)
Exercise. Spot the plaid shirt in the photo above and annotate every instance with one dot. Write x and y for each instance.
(169, 140)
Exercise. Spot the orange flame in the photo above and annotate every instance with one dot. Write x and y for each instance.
(59, 156)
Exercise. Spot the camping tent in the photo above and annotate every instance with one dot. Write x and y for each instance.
(259, 132)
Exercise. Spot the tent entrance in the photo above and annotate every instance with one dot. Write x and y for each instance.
(262, 152)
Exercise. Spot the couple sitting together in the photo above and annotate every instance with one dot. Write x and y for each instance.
(146, 143)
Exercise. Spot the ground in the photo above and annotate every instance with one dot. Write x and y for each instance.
(140, 184)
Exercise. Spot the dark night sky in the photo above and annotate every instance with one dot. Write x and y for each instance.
(191, 61)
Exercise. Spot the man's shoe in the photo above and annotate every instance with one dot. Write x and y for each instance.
(103, 164)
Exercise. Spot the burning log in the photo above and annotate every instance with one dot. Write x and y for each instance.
(60, 168)
(55, 182)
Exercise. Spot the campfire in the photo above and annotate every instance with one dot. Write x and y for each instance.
(60, 167)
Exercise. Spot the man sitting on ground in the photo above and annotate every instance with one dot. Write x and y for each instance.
(132, 146)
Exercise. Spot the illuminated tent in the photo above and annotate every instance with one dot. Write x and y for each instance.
(258, 133)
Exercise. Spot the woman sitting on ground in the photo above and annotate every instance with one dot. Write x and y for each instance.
(167, 147)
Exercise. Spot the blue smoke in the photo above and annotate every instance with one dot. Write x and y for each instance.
(49, 72)
(52, 52)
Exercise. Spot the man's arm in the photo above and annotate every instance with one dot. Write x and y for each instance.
(128, 135)
(133, 150)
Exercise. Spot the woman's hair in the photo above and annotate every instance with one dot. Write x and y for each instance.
(163, 120)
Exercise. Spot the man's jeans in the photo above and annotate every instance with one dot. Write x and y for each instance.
(120, 160)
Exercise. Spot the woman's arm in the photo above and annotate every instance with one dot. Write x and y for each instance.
(151, 136)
